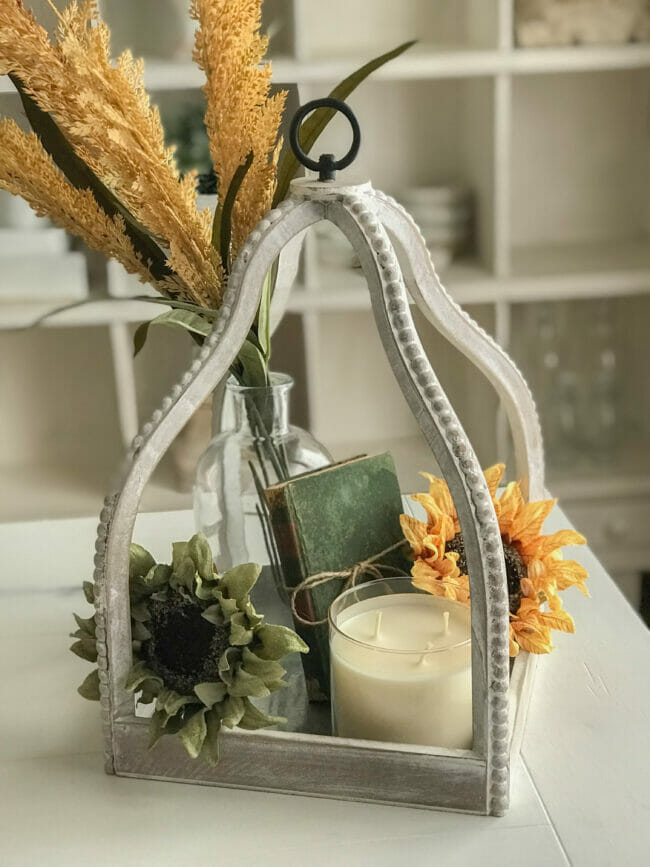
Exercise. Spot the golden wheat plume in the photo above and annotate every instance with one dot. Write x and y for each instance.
(27, 170)
(105, 113)
(241, 116)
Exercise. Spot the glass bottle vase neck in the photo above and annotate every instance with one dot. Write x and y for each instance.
(260, 411)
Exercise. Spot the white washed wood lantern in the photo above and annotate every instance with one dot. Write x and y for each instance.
(475, 780)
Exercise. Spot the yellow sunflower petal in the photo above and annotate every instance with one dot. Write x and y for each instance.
(514, 647)
(440, 580)
(414, 532)
(439, 493)
(493, 477)
(565, 573)
(510, 502)
(528, 588)
(434, 546)
(539, 578)
(426, 578)
(527, 524)
(528, 610)
(534, 642)
(547, 544)
(560, 620)
(429, 505)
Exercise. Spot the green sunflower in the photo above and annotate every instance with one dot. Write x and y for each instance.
(200, 650)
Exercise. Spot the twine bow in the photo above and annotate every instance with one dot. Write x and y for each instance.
(370, 567)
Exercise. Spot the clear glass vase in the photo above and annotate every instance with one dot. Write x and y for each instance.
(256, 441)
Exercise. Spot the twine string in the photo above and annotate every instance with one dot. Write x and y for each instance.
(370, 567)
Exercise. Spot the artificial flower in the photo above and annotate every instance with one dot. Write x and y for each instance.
(200, 650)
(535, 568)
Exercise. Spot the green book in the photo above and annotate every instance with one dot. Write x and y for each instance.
(327, 521)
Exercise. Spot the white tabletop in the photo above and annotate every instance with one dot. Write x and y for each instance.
(580, 791)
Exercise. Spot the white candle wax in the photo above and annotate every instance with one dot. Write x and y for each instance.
(401, 671)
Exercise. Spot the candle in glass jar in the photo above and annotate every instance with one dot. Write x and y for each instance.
(401, 666)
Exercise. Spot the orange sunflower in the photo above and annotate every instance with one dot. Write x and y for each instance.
(535, 568)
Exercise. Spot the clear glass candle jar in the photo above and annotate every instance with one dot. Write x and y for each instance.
(401, 666)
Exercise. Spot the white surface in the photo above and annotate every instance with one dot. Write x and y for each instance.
(579, 795)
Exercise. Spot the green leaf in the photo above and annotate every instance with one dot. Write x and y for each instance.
(156, 727)
(157, 577)
(140, 611)
(86, 648)
(244, 684)
(198, 548)
(174, 702)
(210, 751)
(179, 554)
(205, 590)
(254, 367)
(240, 580)
(254, 718)
(275, 685)
(140, 337)
(183, 567)
(232, 711)
(185, 319)
(90, 687)
(264, 312)
(222, 225)
(278, 641)
(226, 664)
(319, 119)
(89, 592)
(210, 693)
(228, 606)
(214, 614)
(139, 631)
(208, 312)
(82, 177)
(266, 669)
(253, 617)
(193, 733)
(140, 561)
(86, 625)
(138, 674)
(240, 634)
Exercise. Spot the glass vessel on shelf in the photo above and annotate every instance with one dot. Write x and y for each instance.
(256, 446)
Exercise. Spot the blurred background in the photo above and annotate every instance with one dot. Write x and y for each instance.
(517, 132)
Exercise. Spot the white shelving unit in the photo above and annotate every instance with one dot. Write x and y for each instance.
(555, 144)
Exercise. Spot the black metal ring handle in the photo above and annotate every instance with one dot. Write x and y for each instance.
(326, 165)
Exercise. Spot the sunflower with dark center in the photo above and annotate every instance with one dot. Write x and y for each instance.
(200, 650)
(535, 568)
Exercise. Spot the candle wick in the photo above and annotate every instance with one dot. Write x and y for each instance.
(445, 618)
(430, 646)
(378, 617)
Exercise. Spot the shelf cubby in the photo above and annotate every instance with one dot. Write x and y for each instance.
(353, 27)
(580, 152)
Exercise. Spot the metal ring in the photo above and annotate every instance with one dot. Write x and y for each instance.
(326, 165)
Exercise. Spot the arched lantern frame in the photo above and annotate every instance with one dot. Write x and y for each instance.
(475, 780)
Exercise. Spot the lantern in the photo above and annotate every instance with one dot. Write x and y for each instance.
(475, 780)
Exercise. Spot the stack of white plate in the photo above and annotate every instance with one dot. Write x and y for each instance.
(445, 216)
